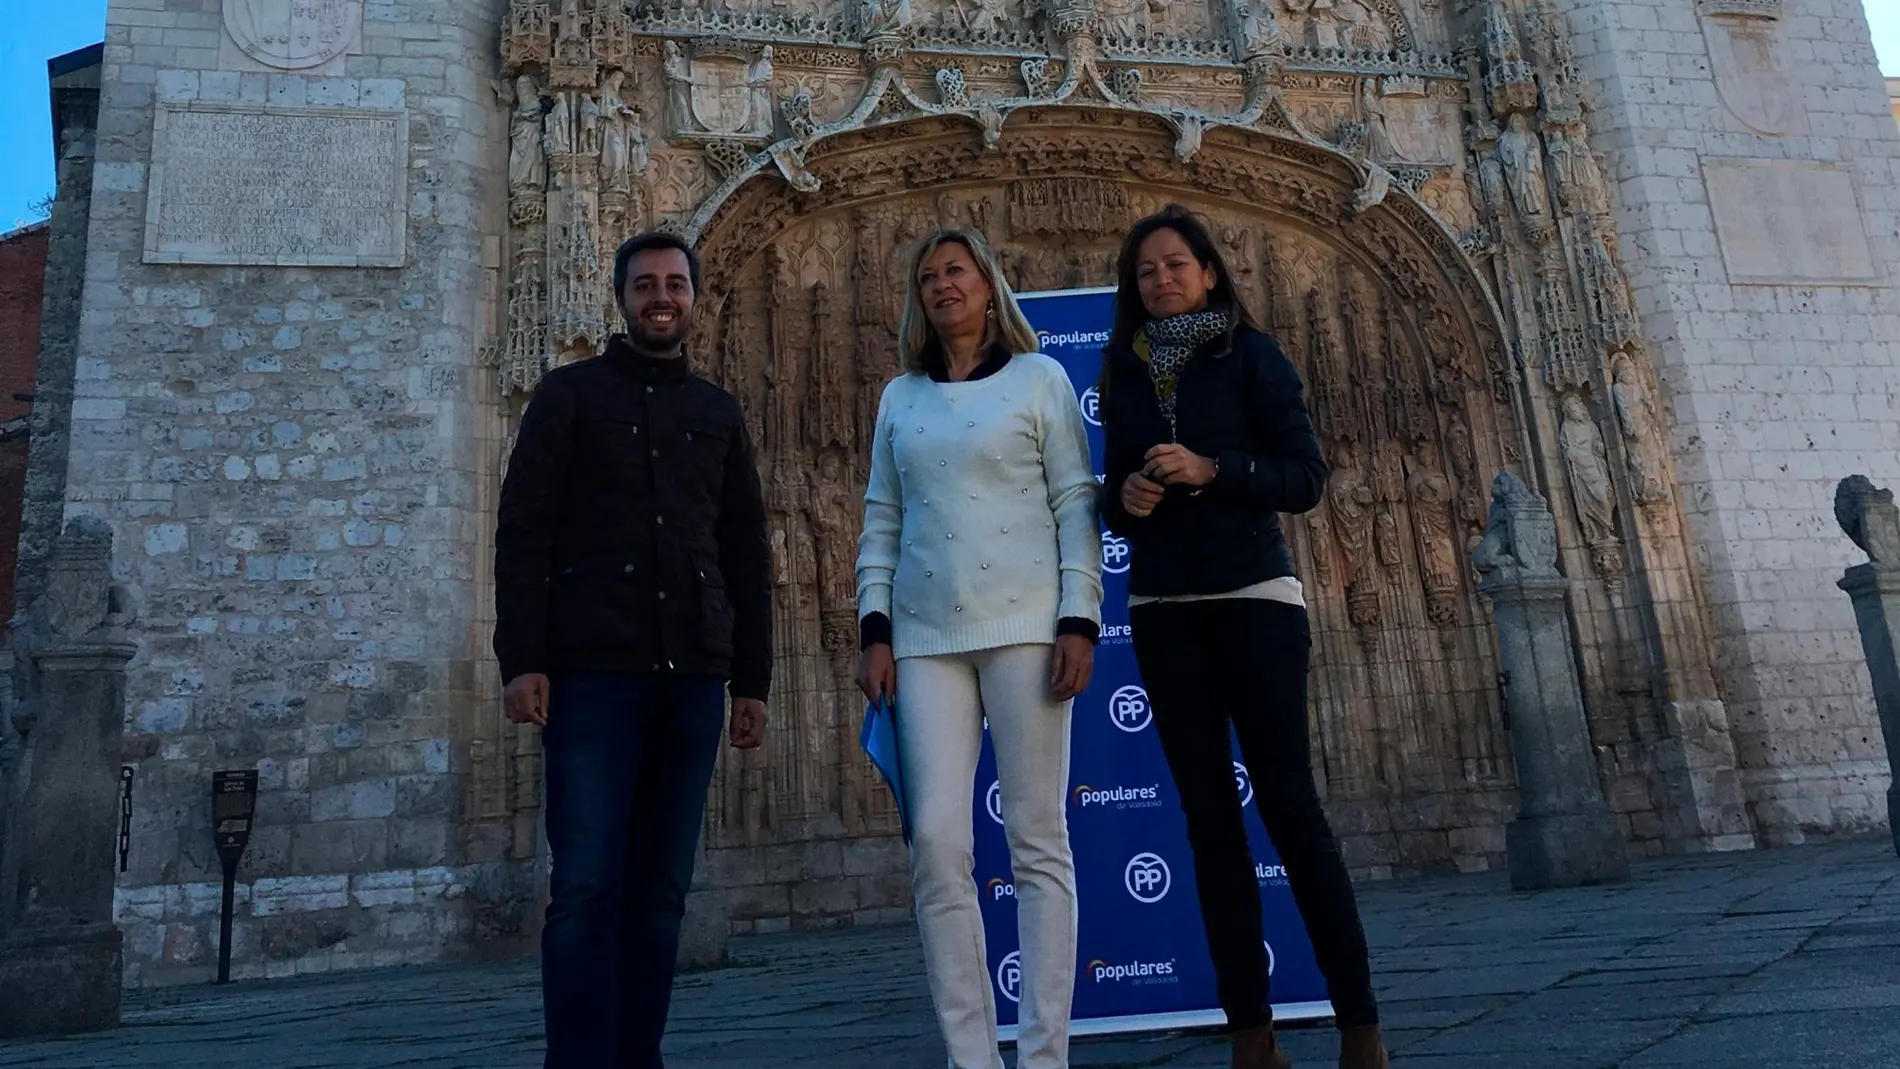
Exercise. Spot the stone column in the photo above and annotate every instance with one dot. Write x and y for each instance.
(57, 937)
(1564, 834)
(1869, 517)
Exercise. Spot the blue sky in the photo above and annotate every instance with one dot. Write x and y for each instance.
(39, 31)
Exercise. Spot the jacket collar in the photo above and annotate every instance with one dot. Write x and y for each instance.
(622, 355)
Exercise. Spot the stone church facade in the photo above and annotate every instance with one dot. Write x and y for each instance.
(1643, 255)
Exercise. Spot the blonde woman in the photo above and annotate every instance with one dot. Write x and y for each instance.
(980, 584)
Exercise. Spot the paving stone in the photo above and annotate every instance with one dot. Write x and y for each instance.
(1655, 975)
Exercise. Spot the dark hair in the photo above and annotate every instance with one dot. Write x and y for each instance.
(647, 241)
(1130, 313)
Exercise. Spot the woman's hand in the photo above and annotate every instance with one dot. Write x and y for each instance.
(877, 673)
(1174, 464)
(1140, 495)
(1074, 665)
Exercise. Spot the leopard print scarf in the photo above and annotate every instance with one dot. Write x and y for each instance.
(1168, 344)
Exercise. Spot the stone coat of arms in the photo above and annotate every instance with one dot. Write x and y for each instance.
(294, 34)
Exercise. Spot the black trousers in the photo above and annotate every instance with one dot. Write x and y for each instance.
(1244, 661)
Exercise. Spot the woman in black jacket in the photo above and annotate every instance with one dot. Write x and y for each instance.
(1207, 440)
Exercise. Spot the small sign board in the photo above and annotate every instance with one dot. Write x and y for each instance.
(233, 806)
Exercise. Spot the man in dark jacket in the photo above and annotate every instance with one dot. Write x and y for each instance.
(632, 587)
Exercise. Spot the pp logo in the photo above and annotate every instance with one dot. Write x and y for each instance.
(1115, 554)
(1147, 878)
(1092, 406)
(1243, 783)
(1128, 707)
(993, 801)
(1009, 976)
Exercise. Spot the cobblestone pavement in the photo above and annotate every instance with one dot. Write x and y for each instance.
(1782, 958)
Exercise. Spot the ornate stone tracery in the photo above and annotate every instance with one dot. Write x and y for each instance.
(1451, 290)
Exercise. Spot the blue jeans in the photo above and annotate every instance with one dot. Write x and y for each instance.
(628, 761)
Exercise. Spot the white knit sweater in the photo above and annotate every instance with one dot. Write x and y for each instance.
(979, 520)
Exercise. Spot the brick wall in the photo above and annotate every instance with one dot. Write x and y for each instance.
(22, 289)
(1776, 392)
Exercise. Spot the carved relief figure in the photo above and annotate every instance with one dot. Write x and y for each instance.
(679, 85)
(1259, 29)
(759, 79)
(983, 16)
(1464, 464)
(1339, 24)
(619, 125)
(1586, 175)
(877, 18)
(558, 137)
(590, 126)
(1437, 550)
(1518, 147)
(1642, 432)
(1127, 19)
(1378, 139)
(1320, 538)
(1385, 533)
(527, 167)
(1351, 501)
(834, 520)
(1588, 464)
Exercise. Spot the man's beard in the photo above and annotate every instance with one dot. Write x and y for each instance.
(644, 339)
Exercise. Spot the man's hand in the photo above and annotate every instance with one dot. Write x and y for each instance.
(1074, 664)
(1175, 464)
(877, 672)
(748, 723)
(1140, 495)
(526, 699)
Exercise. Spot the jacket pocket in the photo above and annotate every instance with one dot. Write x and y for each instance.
(715, 613)
(706, 443)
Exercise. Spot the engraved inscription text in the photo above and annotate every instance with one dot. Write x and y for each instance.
(285, 187)
(1783, 222)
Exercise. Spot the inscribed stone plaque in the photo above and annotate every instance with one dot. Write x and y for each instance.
(1788, 223)
(285, 187)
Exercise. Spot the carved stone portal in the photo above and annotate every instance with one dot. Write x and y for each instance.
(809, 146)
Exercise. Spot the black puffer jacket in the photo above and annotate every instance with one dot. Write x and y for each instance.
(632, 532)
(1240, 402)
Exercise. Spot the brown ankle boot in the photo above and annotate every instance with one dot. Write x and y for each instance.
(1363, 1048)
(1259, 1048)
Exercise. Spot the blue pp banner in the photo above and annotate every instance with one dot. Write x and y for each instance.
(1142, 961)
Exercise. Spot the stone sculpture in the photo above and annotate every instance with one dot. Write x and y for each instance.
(1564, 834)
(1642, 433)
(527, 167)
(1868, 516)
(1588, 463)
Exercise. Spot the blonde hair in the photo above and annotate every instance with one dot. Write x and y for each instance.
(915, 334)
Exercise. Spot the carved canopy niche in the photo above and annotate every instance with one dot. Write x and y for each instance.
(1396, 337)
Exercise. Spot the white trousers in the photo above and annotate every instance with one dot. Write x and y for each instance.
(941, 706)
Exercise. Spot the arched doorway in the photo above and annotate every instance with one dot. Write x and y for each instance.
(1407, 377)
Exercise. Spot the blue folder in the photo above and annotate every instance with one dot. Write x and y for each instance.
(879, 740)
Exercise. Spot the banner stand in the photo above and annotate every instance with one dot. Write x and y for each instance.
(1142, 963)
